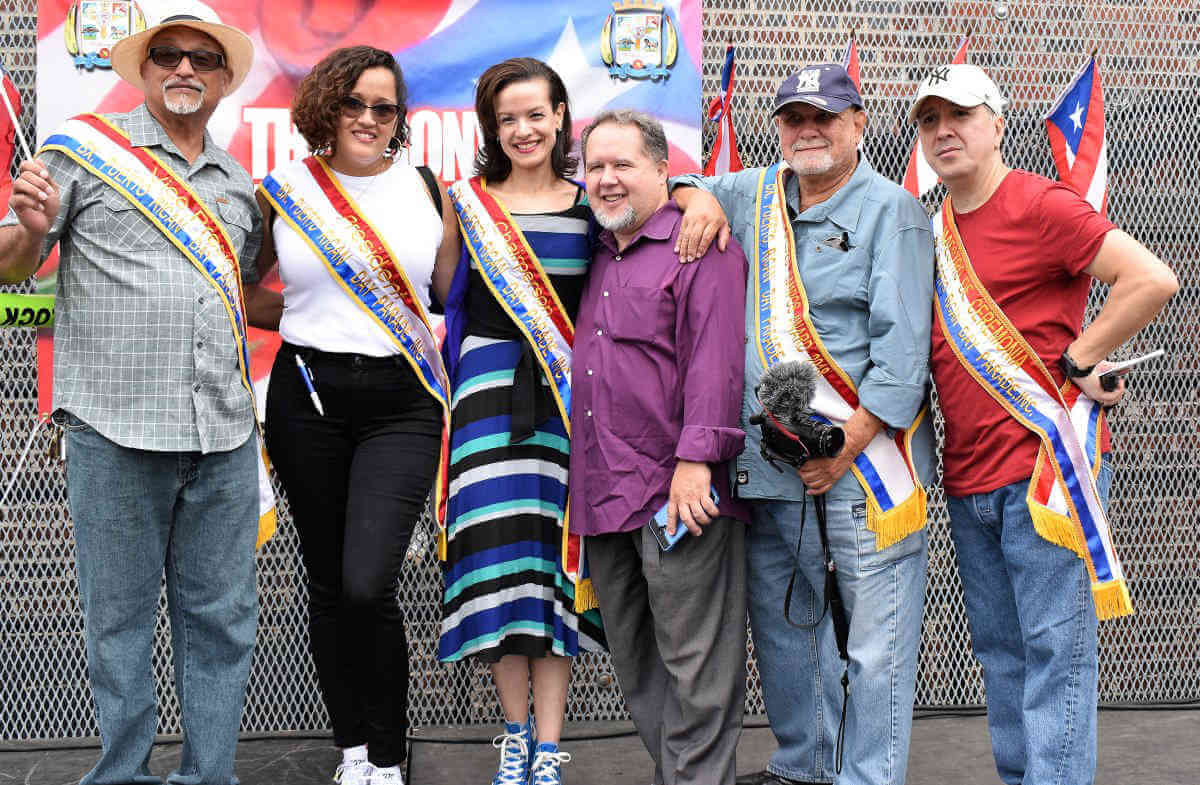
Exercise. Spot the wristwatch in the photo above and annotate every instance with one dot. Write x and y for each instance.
(1072, 370)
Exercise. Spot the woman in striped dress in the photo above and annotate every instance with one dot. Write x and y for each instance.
(508, 599)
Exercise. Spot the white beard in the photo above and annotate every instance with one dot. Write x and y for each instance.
(183, 105)
(619, 222)
(820, 166)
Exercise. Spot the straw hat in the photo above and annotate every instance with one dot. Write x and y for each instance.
(129, 53)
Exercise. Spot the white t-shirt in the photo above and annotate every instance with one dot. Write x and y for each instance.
(317, 311)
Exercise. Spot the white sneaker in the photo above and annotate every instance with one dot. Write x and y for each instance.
(514, 745)
(389, 776)
(547, 766)
(354, 772)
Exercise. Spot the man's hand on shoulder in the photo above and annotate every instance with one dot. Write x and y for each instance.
(703, 219)
(689, 501)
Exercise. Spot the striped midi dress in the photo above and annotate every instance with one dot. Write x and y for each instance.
(505, 590)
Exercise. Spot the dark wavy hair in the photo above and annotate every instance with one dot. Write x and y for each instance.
(315, 109)
(490, 160)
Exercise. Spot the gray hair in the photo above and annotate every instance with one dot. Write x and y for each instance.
(654, 139)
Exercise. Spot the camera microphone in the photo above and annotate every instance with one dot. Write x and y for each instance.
(790, 431)
(787, 389)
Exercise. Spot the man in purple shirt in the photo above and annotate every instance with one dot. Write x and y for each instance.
(657, 389)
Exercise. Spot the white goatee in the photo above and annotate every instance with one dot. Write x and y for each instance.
(619, 222)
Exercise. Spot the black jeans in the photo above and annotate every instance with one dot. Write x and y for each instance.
(356, 480)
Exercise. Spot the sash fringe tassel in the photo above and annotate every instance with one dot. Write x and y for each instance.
(585, 596)
(1055, 528)
(905, 518)
(1112, 599)
(266, 528)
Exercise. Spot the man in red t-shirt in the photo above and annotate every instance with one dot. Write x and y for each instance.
(1035, 246)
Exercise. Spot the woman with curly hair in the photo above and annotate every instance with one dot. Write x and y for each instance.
(358, 398)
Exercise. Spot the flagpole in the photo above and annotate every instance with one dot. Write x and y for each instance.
(17, 131)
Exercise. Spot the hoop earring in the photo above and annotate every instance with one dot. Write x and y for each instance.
(323, 150)
(393, 149)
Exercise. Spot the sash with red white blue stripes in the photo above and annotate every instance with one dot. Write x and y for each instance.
(311, 200)
(896, 504)
(171, 205)
(1062, 497)
(520, 285)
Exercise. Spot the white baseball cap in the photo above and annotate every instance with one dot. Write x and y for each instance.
(961, 84)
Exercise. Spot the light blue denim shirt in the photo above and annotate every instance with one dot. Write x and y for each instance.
(871, 305)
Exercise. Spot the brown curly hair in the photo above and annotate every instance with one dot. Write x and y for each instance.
(316, 110)
(490, 160)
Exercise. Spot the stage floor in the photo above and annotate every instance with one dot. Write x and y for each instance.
(1136, 748)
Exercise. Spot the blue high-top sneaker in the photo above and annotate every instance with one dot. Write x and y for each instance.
(547, 764)
(516, 746)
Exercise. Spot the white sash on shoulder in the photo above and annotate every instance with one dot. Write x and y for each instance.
(784, 331)
(174, 209)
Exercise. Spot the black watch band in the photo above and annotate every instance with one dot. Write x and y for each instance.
(1072, 370)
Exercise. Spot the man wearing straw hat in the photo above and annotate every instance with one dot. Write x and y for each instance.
(154, 223)
(1020, 387)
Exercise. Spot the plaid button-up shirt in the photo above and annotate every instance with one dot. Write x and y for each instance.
(143, 347)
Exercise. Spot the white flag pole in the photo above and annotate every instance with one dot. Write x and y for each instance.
(16, 123)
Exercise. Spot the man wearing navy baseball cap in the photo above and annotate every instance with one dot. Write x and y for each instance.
(841, 273)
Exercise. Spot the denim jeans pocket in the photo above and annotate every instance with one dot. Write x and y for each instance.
(869, 556)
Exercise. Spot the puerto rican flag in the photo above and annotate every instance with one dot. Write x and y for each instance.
(8, 132)
(919, 177)
(724, 157)
(1075, 127)
(851, 63)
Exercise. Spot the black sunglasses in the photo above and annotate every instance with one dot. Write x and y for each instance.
(353, 108)
(201, 59)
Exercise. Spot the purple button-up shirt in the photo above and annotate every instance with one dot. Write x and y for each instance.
(656, 375)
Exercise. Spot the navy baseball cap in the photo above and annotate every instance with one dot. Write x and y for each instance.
(824, 85)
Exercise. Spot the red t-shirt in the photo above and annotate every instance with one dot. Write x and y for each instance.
(1029, 244)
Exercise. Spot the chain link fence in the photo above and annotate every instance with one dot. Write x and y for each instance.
(1149, 54)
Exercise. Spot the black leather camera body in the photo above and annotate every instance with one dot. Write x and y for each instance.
(807, 437)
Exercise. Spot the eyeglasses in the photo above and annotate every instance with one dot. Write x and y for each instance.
(201, 59)
(353, 109)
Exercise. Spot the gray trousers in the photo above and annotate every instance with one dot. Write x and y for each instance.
(676, 627)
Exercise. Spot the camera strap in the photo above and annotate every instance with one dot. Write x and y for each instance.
(833, 605)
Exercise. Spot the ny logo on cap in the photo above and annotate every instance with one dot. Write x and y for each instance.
(938, 75)
(808, 81)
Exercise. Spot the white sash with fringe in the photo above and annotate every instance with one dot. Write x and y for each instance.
(1066, 511)
(896, 505)
(175, 210)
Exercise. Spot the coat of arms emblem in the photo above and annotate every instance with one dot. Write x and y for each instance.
(639, 40)
(93, 26)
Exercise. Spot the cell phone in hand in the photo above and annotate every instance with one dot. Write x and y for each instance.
(658, 525)
(1108, 379)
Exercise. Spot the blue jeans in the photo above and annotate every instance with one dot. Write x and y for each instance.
(136, 513)
(1033, 629)
(884, 595)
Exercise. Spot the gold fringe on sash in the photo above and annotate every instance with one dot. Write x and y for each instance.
(1112, 599)
(266, 529)
(907, 517)
(1054, 528)
(585, 596)
(585, 591)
